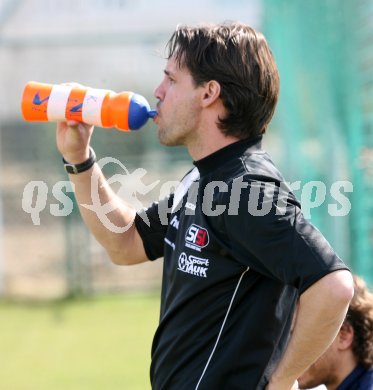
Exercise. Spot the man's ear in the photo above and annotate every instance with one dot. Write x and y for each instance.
(211, 93)
(345, 336)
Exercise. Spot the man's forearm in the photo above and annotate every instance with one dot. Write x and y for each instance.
(95, 197)
(322, 309)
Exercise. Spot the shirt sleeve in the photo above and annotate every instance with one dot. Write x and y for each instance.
(270, 234)
(152, 224)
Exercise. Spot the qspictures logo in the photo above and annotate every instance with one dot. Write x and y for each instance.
(256, 199)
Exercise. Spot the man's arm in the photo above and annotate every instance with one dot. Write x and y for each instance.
(123, 248)
(322, 309)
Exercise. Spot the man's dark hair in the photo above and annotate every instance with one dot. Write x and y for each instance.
(360, 317)
(239, 59)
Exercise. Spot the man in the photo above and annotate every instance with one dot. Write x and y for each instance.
(237, 252)
(348, 363)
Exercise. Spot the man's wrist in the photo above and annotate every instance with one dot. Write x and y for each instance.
(86, 164)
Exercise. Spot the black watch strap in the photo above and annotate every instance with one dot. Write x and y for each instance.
(84, 166)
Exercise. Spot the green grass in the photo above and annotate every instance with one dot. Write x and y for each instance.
(78, 344)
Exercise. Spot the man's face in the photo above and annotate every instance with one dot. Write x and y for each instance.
(178, 107)
(323, 371)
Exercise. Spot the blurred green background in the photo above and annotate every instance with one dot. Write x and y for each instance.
(78, 344)
(69, 318)
(324, 121)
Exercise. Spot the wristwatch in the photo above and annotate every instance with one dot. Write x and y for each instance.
(84, 166)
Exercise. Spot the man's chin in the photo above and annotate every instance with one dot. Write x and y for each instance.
(168, 141)
(163, 140)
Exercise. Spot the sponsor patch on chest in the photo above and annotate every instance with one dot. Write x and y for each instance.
(196, 237)
(193, 265)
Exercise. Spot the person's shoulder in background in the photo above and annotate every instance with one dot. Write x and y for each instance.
(367, 381)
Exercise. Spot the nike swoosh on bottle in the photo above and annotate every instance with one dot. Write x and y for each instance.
(77, 108)
(37, 101)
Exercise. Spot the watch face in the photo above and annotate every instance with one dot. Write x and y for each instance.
(70, 168)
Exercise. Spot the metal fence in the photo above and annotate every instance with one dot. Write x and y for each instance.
(324, 51)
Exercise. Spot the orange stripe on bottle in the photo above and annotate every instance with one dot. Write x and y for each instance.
(74, 106)
(105, 111)
(35, 101)
(119, 107)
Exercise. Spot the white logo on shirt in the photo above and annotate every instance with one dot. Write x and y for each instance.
(193, 265)
(175, 222)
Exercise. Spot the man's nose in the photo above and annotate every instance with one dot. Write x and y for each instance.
(158, 92)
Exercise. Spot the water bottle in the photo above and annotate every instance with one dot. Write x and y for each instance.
(125, 111)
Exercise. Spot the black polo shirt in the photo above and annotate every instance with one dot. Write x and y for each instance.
(237, 254)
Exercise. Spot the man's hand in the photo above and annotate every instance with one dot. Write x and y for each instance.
(322, 309)
(73, 140)
(73, 137)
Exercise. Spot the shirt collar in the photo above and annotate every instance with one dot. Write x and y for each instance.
(215, 160)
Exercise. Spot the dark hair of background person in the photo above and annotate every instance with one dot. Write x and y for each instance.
(360, 317)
